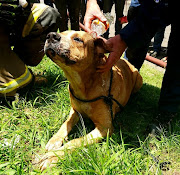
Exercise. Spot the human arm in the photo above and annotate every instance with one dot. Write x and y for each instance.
(138, 32)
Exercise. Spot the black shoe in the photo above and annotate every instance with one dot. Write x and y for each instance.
(154, 54)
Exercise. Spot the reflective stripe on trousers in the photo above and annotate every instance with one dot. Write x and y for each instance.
(16, 83)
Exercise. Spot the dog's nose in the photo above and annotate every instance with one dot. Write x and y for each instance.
(53, 36)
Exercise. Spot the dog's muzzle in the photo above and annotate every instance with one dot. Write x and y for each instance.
(52, 43)
(53, 47)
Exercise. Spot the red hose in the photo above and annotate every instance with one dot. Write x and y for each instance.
(156, 61)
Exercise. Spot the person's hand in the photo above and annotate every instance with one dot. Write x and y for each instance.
(93, 12)
(116, 46)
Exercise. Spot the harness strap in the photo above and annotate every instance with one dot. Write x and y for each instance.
(107, 99)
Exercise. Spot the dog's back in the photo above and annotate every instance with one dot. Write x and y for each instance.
(126, 80)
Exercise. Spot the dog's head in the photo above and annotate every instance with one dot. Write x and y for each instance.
(75, 49)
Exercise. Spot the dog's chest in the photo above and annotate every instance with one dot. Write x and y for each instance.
(85, 109)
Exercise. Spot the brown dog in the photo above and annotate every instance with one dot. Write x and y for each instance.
(98, 96)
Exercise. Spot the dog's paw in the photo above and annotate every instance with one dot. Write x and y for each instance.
(54, 143)
(50, 159)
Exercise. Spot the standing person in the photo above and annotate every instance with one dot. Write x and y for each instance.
(151, 16)
(137, 55)
(71, 6)
(25, 29)
(119, 8)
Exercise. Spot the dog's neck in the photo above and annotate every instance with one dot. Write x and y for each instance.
(86, 81)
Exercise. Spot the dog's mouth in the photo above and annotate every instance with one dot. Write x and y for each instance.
(50, 53)
(63, 56)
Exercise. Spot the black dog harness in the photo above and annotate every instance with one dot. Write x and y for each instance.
(107, 99)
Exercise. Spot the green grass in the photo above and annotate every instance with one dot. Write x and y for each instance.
(30, 123)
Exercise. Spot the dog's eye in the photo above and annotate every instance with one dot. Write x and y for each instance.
(78, 40)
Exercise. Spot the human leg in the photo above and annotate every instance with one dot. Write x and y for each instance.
(62, 21)
(14, 74)
(107, 5)
(119, 8)
(170, 92)
(82, 11)
(158, 38)
(74, 10)
(137, 56)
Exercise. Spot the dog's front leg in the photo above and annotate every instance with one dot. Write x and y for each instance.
(57, 140)
(94, 136)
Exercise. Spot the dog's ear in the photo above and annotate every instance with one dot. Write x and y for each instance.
(100, 50)
(100, 45)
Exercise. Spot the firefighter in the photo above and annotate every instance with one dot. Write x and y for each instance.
(23, 30)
